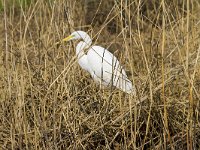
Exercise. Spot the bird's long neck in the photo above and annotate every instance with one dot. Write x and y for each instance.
(80, 49)
(82, 58)
(85, 44)
(87, 41)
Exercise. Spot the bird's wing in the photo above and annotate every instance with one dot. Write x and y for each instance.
(106, 66)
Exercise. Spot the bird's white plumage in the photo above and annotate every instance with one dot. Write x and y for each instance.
(100, 63)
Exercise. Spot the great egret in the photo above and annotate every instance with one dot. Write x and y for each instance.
(100, 63)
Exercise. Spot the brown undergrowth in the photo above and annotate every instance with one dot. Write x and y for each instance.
(49, 102)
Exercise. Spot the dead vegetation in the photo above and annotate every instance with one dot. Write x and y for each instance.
(48, 102)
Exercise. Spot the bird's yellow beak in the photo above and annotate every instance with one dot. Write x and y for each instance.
(67, 38)
(64, 40)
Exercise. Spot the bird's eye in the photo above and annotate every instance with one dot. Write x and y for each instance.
(79, 40)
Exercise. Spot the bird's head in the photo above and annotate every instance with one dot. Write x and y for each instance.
(77, 35)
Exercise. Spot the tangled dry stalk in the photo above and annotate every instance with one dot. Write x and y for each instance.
(48, 102)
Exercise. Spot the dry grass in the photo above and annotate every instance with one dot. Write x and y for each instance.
(49, 102)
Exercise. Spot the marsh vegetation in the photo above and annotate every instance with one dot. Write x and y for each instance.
(48, 102)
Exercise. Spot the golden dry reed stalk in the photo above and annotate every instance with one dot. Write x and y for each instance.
(48, 102)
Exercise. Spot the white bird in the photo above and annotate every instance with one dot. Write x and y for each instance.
(100, 63)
